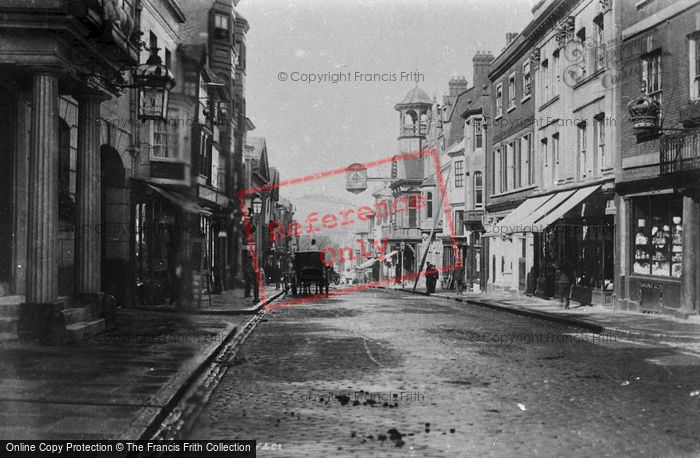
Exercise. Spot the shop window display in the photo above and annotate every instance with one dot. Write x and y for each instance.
(658, 236)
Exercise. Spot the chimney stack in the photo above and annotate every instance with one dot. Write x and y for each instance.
(457, 85)
(510, 36)
(481, 62)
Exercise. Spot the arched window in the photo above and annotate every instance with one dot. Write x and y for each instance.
(478, 190)
(410, 118)
(429, 204)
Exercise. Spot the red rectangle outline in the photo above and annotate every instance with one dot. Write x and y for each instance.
(446, 208)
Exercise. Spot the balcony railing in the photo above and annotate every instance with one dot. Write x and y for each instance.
(473, 216)
(414, 129)
(401, 233)
(680, 152)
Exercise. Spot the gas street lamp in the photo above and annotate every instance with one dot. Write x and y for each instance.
(257, 205)
(154, 82)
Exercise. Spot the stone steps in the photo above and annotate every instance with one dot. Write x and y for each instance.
(79, 322)
(84, 330)
(75, 315)
(9, 316)
(8, 324)
(9, 306)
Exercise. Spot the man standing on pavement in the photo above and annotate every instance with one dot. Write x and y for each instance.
(249, 277)
(431, 277)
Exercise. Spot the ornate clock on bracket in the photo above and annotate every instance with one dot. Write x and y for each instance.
(356, 178)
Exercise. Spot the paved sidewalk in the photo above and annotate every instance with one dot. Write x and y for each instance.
(230, 302)
(113, 386)
(683, 334)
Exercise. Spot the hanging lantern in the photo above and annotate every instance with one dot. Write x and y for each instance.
(257, 205)
(154, 82)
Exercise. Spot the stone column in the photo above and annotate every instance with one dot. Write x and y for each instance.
(20, 185)
(42, 227)
(88, 197)
(690, 254)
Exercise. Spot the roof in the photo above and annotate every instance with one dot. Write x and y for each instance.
(175, 9)
(456, 147)
(415, 96)
(428, 181)
(255, 147)
(275, 179)
(461, 103)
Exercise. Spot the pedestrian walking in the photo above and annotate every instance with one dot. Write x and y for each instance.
(458, 275)
(563, 284)
(275, 272)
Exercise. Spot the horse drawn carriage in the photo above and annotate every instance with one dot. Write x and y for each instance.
(309, 271)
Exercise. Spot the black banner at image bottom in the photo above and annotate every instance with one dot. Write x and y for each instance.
(119, 448)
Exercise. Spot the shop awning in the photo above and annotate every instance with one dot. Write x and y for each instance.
(371, 261)
(531, 222)
(186, 204)
(367, 263)
(579, 196)
(516, 217)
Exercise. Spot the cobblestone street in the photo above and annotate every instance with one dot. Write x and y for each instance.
(390, 373)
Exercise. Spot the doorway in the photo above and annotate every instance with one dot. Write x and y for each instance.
(116, 227)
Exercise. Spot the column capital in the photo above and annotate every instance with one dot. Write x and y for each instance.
(46, 70)
(91, 97)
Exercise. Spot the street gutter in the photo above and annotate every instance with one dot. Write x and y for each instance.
(167, 422)
(584, 324)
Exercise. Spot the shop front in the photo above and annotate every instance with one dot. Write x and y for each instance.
(657, 226)
(583, 253)
(558, 244)
(575, 249)
(168, 244)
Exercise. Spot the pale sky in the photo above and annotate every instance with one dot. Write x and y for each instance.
(314, 127)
